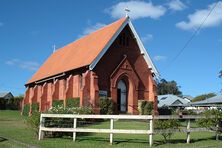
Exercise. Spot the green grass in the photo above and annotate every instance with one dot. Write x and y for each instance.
(14, 133)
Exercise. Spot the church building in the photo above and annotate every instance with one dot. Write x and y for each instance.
(111, 62)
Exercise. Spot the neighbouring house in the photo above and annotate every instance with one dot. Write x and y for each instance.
(4, 97)
(215, 101)
(187, 97)
(111, 62)
(170, 100)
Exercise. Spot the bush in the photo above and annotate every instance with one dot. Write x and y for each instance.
(35, 107)
(57, 103)
(2, 104)
(106, 106)
(188, 112)
(26, 110)
(212, 120)
(165, 111)
(14, 103)
(168, 126)
(65, 122)
(33, 122)
(73, 102)
(145, 107)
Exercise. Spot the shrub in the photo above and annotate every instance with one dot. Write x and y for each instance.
(73, 102)
(35, 107)
(145, 107)
(33, 122)
(165, 111)
(106, 106)
(188, 112)
(57, 103)
(212, 120)
(14, 103)
(26, 110)
(65, 122)
(2, 104)
(168, 126)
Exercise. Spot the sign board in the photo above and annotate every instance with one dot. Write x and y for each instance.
(103, 93)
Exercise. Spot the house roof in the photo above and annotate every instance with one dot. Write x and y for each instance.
(4, 94)
(86, 51)
(213, 100)
(170, 100)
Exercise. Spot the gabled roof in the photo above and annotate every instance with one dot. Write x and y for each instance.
(170, 100)
(87, 51)
(4, 94)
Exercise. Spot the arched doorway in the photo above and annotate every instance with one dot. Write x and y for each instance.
(122, 96)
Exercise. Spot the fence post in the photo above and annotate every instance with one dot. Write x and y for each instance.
(41, 133)
(111, 131)
(151, 132)
(217, 135)
(188, 131)
(74, 127)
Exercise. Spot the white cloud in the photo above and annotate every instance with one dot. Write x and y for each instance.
(159, 58)
(147, 38)
(27, 65)
(1, 24)
(91, 28)
(176, 5)
(195, 19)
(138, 9)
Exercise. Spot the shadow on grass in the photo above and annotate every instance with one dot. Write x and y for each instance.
(2, 139)
(182, 141)
(115, 141)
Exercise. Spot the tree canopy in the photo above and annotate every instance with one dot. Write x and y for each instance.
(168, 87)
(203, 97)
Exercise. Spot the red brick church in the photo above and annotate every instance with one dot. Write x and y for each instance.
(111, 61)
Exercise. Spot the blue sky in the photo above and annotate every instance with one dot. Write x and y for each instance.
(30, 28)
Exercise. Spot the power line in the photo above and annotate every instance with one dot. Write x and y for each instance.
(192, 36)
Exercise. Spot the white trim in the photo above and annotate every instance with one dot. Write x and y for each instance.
(139, 42)
(143, 50)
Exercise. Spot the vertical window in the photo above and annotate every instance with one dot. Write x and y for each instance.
(123, 40)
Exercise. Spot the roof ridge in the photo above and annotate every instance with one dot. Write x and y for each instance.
(87, 35)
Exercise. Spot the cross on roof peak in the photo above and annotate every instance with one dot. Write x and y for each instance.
(127, 10)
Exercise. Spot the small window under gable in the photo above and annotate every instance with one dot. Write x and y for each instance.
(123, 40)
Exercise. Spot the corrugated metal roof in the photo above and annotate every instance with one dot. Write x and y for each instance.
(213, 100)
(3, 94)
(170, 100)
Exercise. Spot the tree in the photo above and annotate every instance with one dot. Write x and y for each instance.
(203, 97)
(168, 87)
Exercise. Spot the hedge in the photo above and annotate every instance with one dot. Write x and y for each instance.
(73, 102)
(145, 107)
(57, 103)
(26, 110)
(106, 106)
(35, 107)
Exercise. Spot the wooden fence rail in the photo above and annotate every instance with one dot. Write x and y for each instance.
(111, 130)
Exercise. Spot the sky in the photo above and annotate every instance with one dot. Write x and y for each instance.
(30, 28)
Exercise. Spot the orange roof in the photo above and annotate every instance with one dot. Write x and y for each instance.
(77, 54)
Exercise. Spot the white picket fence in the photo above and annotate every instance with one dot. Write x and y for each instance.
(150, 131)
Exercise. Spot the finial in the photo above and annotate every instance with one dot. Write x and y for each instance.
(127, 10)
(54, 48)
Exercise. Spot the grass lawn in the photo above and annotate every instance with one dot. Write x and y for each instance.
(15, 133)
